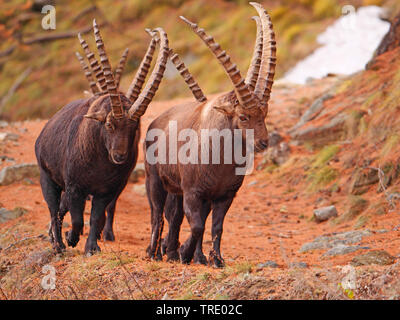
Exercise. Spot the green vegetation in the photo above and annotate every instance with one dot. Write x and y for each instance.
(321, 174)
(57, 78)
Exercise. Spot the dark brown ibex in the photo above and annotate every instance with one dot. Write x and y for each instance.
(89, 147)
(196, 188)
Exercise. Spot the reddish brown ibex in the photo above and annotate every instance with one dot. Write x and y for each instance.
(195, 188)
(90, 146)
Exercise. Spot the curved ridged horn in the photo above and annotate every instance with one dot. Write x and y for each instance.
(88, 74)
(268, 62)
(140, 77)
(94, 64)
(187, 76)
(252, 73)
(243, 94)
(184, 72)
(139, 107)
(116, 104)
(121, 66)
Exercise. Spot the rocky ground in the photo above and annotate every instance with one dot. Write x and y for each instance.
(317, 219)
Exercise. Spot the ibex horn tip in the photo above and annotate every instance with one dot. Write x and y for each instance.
(187, 21)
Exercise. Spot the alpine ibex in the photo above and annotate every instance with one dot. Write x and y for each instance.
(195, 188)
(89, 147)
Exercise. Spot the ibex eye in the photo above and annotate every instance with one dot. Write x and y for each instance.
(243, 118)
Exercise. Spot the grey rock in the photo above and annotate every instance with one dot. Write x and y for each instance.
(8, 136)
(274, 138)
(253, 183)
(341, 249)
(379, 257)
(18, 172)
(39, 258)
(6, 215)
(140, 189)
(278, 154)
(325, 213)
(328, 132)
(312, 112)
(5, 158)
(3, 124)
(268, 264)
(298, 265)
(331, 241)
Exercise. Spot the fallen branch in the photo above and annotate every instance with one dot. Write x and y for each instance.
(22, 240)
(132, 276)
(17, 83)
(58, 36)
(8, 51)
(381, 176)
(84, 12)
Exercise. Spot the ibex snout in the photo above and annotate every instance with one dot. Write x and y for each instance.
(261, 145)
(118, 157)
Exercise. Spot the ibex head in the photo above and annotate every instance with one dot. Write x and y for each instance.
(247, 105)
(120, 114)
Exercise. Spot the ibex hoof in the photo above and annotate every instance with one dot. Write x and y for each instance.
(108, 235)
(216, 261)
(173, 256)
(200, 259)
(91, 249)
(71, 240)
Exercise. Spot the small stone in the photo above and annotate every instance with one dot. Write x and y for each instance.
(6, 215)
(137, 173)
(333, 240)
(298, 265)
(8, 136)
(379, 257)
(268, 264)
(274, 138)
(323, 214)
(342, 249)
(18, 172)
(140, 189)
(166, 297)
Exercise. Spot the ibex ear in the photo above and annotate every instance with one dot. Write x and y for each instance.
(227, 109)
(99, 115)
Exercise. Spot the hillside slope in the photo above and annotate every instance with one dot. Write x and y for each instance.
(273, 247)
(51, 75)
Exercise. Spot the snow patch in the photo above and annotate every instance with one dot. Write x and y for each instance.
(347, 46)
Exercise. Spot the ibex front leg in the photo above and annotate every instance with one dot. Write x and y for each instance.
(220, 207)
(97, 220)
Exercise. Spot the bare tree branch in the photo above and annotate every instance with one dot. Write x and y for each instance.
(8, 51)
(58, 36)
(17, 83)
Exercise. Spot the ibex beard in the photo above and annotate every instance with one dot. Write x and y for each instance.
(209, 146)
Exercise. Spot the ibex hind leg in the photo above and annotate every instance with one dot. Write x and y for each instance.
(52, 193)
(156, 196)
(199, 257)
(193, 208)
(174, 216)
